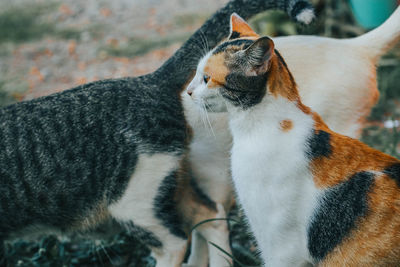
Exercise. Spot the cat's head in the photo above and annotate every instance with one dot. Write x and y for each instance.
(240, 71)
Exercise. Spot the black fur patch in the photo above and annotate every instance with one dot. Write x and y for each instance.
(337, 214)
(203, 197)
(319, 145)
(299, 7)
(143, 235)
(244, 91)
(282, 60)
(3, 261)
(234, 35)
(394, 172)
(165, 206)
(239, 42)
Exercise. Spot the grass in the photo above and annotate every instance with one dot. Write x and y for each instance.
(121, 250)
(8, 96)
(22, 23)
(5, 97)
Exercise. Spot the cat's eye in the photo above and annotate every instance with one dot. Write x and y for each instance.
(206, 78)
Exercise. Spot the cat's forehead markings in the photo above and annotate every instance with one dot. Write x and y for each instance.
(217, 70)
(240, 43)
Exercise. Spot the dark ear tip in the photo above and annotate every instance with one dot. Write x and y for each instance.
(265, 41)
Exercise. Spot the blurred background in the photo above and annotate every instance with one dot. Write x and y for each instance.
(47, 46)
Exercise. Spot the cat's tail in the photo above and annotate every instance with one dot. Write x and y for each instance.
(300, 10)
(383, 38)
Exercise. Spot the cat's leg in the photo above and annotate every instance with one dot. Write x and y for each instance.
(149, 211)
(170, 255)
(196, 208)
(166, 248)
(199, 251)
(217, 232)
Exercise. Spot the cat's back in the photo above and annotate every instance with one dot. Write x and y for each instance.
(118, 103)
(335, 63)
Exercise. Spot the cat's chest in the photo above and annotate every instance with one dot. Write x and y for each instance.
(271, 175)
(278, 195)
(268, 170)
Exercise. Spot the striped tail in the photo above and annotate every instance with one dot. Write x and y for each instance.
(300, 10)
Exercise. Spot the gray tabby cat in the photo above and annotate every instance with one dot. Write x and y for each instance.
(115, 149)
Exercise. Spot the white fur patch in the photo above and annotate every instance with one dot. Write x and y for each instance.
(136, 204)
(306, 16)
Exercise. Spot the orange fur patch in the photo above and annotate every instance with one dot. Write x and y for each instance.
(348, 156)
(217, 70)
(280, 80)
(286, 125)
(240, 26)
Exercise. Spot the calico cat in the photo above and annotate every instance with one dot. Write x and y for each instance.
(348, 68)
(116, 149)
(311, 195)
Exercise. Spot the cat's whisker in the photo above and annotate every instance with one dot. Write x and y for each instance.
(207, 117)
(201, 44)
(240, 102)
(200, 48)
(203, 114)
(200, 107)
(204, 41)
(208, 105)
(192, 54)
(206, 122)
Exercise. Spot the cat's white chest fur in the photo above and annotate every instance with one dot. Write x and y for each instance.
(273, 182)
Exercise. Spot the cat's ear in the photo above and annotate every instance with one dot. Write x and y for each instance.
(240, 28)
(259, 54)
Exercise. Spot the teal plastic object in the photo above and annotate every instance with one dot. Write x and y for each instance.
(372, 13)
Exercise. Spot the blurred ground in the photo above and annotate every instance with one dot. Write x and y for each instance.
(52, 46)
(49, 46)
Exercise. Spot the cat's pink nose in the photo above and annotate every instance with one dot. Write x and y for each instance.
(189, 92)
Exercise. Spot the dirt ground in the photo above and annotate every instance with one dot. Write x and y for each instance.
(82, 41)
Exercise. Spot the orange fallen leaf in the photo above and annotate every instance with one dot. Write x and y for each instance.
(105, 12)
(81, 80)
(72, 47)
(65, 9)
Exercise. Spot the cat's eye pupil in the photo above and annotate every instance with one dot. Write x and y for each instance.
(206, 78)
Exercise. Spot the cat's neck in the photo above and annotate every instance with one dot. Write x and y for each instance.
(274, 113)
